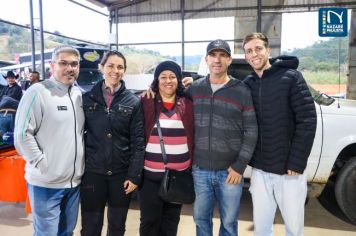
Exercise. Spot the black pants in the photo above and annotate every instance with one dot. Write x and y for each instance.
(97, 190)
(158, 218)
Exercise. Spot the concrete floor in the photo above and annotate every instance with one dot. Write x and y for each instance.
(318, 221)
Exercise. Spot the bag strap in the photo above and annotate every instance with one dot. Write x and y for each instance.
(161, 143)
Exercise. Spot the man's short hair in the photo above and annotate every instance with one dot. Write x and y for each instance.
(255, 35)
(64, 49)
(36, 72)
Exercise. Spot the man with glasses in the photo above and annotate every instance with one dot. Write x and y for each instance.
(49, 134)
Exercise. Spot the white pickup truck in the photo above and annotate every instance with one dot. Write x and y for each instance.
(333, 156)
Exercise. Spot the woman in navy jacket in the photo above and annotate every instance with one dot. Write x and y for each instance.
(114, 149)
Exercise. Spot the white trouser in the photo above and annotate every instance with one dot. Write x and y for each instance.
(271, 190)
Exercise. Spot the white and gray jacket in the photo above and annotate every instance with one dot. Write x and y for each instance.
(49, 129)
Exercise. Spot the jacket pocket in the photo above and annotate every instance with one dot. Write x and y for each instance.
(94, 107)
(124, 110)
(42, 165)
(122, 154)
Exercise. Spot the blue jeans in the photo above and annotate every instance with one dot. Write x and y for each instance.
(210, 187)
(271, 190)
(54, 211)
(6, 122)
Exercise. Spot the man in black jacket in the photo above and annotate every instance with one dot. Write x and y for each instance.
(287, 122)
(12, 89)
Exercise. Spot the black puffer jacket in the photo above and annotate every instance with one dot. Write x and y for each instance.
(114, 139)
(286, 117)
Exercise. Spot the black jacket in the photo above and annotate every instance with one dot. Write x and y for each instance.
(15, 92)
(114, 139)
(286, 117)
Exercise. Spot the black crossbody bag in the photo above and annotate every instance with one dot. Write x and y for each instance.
(176, 186)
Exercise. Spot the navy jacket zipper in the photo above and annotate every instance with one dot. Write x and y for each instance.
(75, 136)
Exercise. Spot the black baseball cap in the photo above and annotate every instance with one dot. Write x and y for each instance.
(218, 44)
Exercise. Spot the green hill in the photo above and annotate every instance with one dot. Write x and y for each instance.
(15, 40)
(323, 55)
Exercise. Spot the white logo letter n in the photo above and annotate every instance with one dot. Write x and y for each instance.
(335, 13)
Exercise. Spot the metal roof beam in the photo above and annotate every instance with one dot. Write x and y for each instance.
(89, 8)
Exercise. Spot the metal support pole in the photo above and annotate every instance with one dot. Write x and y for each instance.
(182, 8)
(117, 30)
(33, 45)
(43, 70)
(110, 29)
(259, 15)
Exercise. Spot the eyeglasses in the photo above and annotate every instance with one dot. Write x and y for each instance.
(73, 64)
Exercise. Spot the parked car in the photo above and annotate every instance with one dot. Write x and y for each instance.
(89, 73)
(87, 78)
(339, 95)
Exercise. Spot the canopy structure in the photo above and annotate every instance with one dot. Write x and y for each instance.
(135, 11)
(264, 14)
(251, 15)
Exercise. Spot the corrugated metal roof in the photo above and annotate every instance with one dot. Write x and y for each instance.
(161, 10)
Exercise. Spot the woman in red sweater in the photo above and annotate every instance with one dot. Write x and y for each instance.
(175, 114)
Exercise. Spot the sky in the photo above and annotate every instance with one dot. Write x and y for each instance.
(298, 29)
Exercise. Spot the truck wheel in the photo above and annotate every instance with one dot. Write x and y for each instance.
(345, 189)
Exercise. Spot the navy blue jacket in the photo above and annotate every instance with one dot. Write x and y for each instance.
(114, 138)
(15, 92)
(286, 117)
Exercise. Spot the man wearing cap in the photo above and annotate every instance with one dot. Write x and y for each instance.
(49, 134)
(12, 89)
(225, 138)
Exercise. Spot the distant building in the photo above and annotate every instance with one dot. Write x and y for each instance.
(6, 63)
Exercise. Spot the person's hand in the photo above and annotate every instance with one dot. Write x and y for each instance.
(129, 186)
(292, 173)
(233, 177)
(187, 81)
(148, 94)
